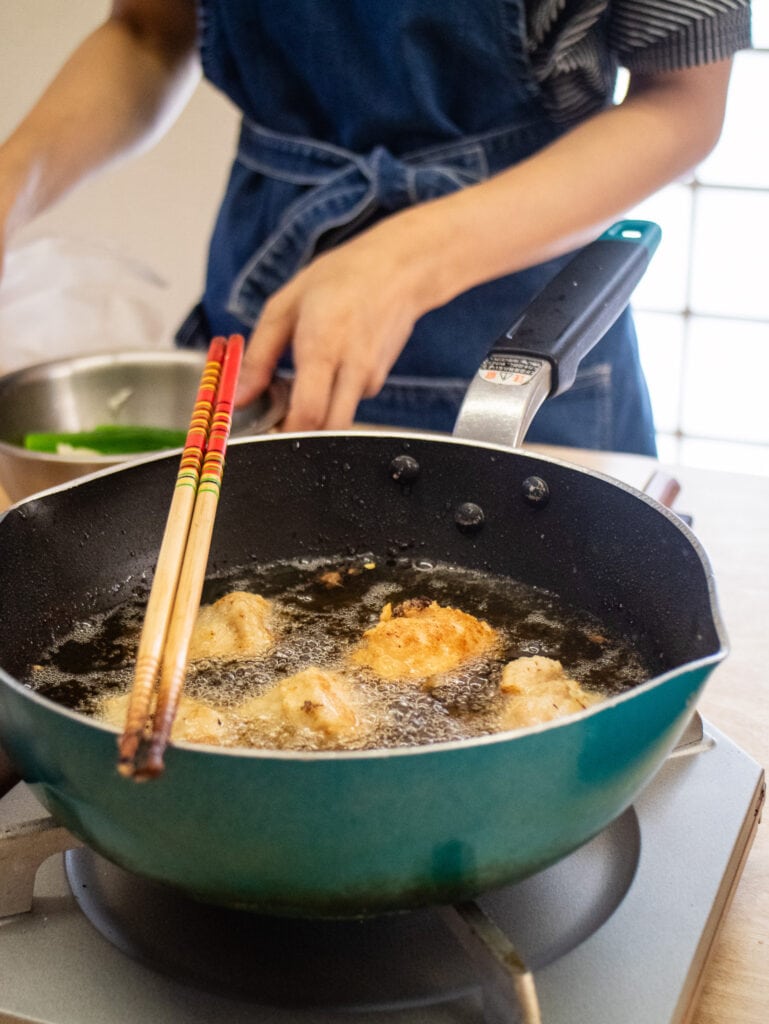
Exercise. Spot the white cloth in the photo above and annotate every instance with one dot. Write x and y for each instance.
(62, 297)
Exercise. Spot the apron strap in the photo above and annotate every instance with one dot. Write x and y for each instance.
(345, 190)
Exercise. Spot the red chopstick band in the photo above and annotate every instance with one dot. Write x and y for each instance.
(200, 422)
(221, 422)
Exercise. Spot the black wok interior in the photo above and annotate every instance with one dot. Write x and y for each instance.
(68, 555)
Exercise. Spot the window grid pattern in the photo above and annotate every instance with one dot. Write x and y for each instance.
(702, 311)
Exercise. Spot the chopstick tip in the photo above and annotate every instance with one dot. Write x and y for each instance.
(141, 769)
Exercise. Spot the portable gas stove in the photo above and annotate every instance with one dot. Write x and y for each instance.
(618, 931)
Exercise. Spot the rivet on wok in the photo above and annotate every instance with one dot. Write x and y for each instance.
(404, 468)
(469, 517)
(535, 491)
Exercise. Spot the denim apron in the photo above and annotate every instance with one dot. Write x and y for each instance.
(354, 109)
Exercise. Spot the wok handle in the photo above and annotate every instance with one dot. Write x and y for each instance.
(663, 487)
(538, 356)
(8, 774)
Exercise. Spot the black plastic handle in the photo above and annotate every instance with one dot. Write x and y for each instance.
(578, 306)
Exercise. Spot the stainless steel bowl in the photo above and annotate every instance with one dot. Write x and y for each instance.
(154, 389)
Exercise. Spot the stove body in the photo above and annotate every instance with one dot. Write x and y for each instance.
(618, 931)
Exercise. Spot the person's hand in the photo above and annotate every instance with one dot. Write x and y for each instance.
(347, 316)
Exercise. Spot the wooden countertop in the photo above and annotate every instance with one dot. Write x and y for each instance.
(731, 518)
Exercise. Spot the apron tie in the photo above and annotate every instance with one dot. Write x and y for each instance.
(344, 191)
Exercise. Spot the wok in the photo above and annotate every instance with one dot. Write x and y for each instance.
(363, 832)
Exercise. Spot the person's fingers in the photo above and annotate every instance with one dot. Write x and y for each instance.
(337, 362)
(350, 385)
(310, 393)
(345, 329)
(269, 339)
(333, 372)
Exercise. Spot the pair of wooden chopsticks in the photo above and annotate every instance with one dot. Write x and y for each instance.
(181, 567)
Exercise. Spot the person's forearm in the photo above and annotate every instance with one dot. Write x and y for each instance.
(568, 193)
(113, 95)
(348, 314)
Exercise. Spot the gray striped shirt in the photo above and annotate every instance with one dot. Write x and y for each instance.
(576, 46)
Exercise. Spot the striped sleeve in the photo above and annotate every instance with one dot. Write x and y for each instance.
(659, 35)
(575, 46)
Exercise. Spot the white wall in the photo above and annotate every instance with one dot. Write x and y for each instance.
(158, 207)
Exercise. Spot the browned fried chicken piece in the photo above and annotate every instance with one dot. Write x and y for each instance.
(195, 721)
(420, 639)
(316, 704)
(537, 689)
(235, 626)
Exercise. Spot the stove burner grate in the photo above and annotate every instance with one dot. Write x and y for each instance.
(396, 960)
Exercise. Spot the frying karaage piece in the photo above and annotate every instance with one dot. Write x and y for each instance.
(537, 689)
(195, 721)
(235, 626)
(419, 639)
(316, 705)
